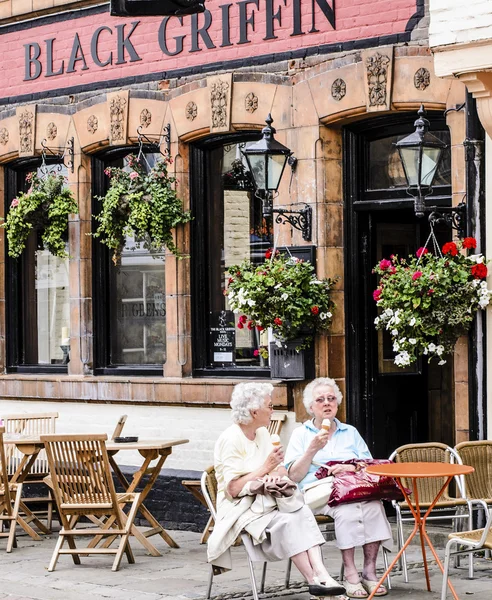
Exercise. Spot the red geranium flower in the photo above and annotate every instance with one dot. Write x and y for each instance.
(314, 310)
(469, 242)
(479, 271)
(243, 319)
(260, 327)
(377, 294)
(256, 352)
(417, 275)
(450, 248)
(240, 325)
(421, 251)
(268, 253)
(277, 321)
(384, 264)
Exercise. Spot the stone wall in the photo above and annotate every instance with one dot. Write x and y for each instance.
(456, 22)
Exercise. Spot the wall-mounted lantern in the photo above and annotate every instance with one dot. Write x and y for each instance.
(420, 154)
(266, 161)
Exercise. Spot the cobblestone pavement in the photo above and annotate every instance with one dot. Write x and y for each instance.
(181, 574)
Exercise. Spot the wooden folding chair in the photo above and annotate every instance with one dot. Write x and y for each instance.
(10, 494)
(194, 485)
(35, 425)
(119, 427)
(83, 487)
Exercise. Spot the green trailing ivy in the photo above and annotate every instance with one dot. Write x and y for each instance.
(141, 205)
(45, 206)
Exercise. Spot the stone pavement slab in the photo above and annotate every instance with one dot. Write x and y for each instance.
(182, 574)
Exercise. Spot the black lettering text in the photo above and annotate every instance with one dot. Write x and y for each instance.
(95, 42)
(326, 9)
(32, 52)
(124, 44)
(226, 26)
(201, 31)
(49, 60)
(76, 55)
(244, 20)
(162, 36)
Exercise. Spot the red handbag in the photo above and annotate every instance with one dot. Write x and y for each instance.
(361, 485)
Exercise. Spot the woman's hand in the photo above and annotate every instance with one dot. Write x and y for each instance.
(337, 469)
(271, 478)
(274, 459)
(319, 441)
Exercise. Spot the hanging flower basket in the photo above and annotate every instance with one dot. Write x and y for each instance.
(282, 293)
(141, 205)
(429, 300)
(44, 207)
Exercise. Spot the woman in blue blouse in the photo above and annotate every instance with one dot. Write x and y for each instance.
(357, 523)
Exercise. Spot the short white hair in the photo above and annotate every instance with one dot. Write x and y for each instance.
(247, 397)
(308, 394)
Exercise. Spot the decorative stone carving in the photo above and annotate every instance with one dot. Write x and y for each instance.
(421, 79)
(191, 111)
(4, 136)
(117, 116)
(251, 102)
(338, 89)
(218, 101)
(51, 131)
(92, 124)
(145, 118)
(377, 78)
(26, 132)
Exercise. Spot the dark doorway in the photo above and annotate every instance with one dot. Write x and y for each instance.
(389, 405)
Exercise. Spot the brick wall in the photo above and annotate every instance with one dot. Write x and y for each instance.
(456, 22)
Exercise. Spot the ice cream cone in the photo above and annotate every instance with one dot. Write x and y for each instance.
(326, 424)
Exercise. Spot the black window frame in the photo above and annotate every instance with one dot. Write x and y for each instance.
(101, 265)
(15, 301)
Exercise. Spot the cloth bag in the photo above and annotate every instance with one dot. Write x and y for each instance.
(283, 495)
(316, 494)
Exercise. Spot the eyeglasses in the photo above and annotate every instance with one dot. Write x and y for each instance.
(270, 407)
(323, 399)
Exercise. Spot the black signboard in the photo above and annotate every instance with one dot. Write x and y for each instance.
(222, 337)
(155, 8)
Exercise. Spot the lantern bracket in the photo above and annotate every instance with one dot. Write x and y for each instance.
(299, 219)
(452, 216)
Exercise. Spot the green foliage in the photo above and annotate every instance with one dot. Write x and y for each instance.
(427, 302)
(141, 205)
(283, 293)
(46, 206)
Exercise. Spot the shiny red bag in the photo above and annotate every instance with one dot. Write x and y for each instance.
(361, 485)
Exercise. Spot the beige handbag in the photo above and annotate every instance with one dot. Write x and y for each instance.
(316, 494)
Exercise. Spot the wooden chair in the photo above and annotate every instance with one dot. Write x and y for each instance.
(119, 427)
(478, 485)
(194, 485)
(10, 494)
(428, 488)
(34, 425)
(83, 487)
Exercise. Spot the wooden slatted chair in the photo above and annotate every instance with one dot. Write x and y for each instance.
(119, 427)
(10, 494)
(83, 486)
(194, 485)
(34, 425)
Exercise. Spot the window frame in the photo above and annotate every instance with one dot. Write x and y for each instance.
(101, 265)
(15, 294)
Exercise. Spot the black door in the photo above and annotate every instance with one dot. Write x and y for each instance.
(389, 405)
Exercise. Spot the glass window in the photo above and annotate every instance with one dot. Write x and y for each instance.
(132, 332)
(38, 299)
(386, 170)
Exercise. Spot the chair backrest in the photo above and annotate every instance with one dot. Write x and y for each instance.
(80, 473)
(5, 504)
(29, 425)
(276, 422)
(428, 487)
(209, 489)
(477, 455)
(119, 426)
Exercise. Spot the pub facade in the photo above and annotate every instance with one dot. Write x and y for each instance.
(342, 83)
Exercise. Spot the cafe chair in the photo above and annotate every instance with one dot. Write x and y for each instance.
(194, 485)
(467, 542)
(478, 485)
(83, 487)
(10, 494)
(119, 427)
(31, 424)
(460, 507)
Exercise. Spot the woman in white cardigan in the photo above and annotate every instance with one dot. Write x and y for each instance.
(244, 453)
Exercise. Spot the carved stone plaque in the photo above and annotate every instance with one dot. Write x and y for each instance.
(378, 77)
(26, 117)
(220, 90)
(118, 117)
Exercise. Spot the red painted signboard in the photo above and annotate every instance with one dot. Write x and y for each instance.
(89, 48)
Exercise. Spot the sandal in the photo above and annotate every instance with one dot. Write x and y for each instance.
(355, 590)
(369, 586)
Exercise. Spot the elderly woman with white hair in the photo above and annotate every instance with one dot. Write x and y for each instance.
(244, 453)
(358, 523)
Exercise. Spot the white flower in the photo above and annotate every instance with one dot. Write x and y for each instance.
(439, 350)
(478, 258)
(376, 321)
(412, 341)
(403, 340)
(412, 321)
(441, 362)
(394, 332)
(236, 311)
(329, 315)
(483, 284)
(426, 351)
(278, 285)
(315, 282)
(284, 296)
(388, 311)
(484, 301)
(251, 302)
(396, 346)
(278, 343)
(431, 347)
(323, 316)
(402, 359)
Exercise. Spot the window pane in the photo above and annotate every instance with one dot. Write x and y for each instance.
(238, 231)
(386, 170)
(138, 300)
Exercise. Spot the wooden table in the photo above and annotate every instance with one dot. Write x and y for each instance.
(150, 450)
(30, 447)
(416, 471)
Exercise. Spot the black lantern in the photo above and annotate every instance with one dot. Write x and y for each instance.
(420, 154)
(266, 161)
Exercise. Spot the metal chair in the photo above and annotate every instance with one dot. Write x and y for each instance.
(83, 487)
(428, 489)
(10, 494)
(474, 540)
